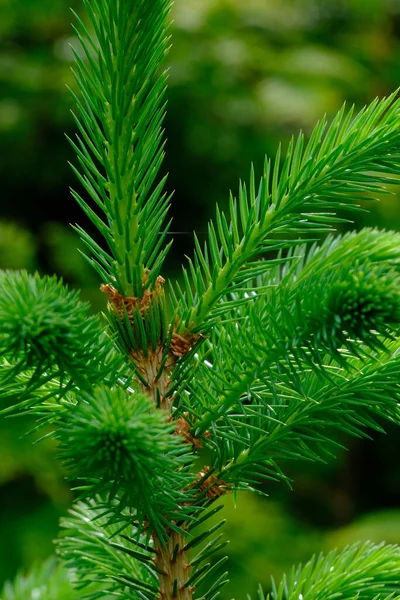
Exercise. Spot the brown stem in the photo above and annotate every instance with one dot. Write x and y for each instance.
(156, 388)
(172, 561)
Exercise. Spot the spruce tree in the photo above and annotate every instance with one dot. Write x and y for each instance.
(269, 344)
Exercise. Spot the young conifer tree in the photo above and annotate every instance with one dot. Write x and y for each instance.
(269, 345)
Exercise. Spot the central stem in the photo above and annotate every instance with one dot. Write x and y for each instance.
(172, 561)
(153, 368)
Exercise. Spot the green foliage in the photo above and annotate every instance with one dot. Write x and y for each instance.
(269, 348)
(123, 450)
(273, 541)
(147, 334)
(47, 331)
(97, 550)
(296, 370)
(364, 572)
(340, 164)
(50, 581)
(120, 114)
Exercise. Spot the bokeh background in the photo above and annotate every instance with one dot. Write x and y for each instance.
(243, 76)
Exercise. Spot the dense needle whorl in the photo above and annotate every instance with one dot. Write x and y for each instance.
(369, 299)
(44, 326)
(349, 287)
(122, 448)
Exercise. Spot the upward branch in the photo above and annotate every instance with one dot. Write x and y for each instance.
(323, 303)
(119, 147)
(341, 163)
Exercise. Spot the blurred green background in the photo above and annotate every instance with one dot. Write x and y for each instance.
(243, 76)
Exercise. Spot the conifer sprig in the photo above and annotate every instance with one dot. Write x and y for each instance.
(122, 449)
(48, 581)
(359, 572)
(323, 303)
(341, 164)
(119, 146)
(43, 396)
(299, 418)
(47, 334)
(91, 547)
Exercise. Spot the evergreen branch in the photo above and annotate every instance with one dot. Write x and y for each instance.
(18, 392)
(340, 295)
(205, 543)
(47, 333)
(97, 552)
(298, 419)
(119, 145)
(122, 449)
(341, 164)
(50, 581)
(359, 572)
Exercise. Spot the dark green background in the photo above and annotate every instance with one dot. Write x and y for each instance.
(244, 75)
